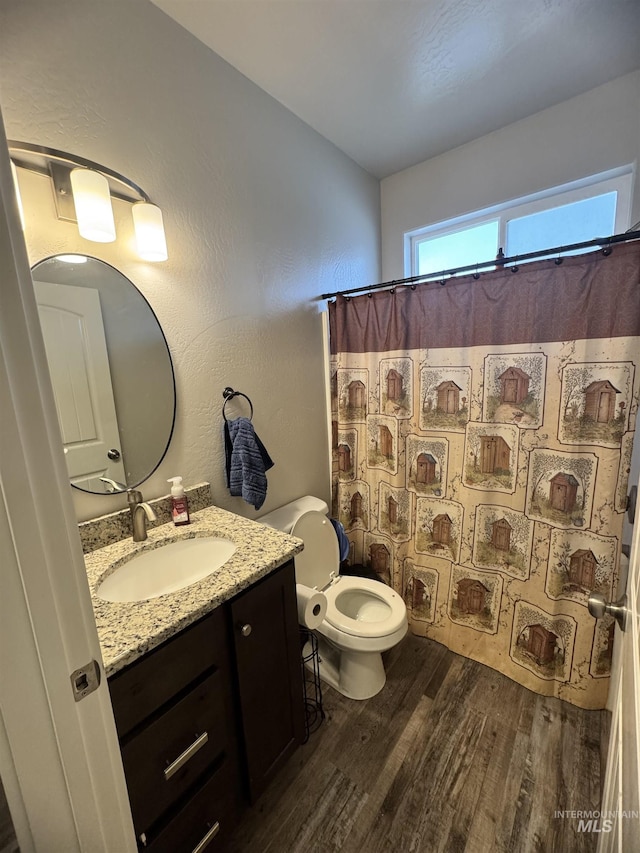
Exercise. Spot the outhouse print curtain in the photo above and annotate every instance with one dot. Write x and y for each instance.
(482, 436)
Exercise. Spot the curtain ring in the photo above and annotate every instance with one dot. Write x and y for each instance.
(515, 267)
(442, 283)
(476, 274)
(413, 287)
(606, 251)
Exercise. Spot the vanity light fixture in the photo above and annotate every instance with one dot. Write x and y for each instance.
(149, 228)
(14, 174)
(72, 259)
(92, 202)
(83, 192)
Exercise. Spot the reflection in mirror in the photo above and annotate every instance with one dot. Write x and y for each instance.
(111, 372)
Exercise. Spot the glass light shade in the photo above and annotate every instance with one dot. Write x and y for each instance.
(73, 259)
(93, 206)
(14, 173)
(149, 228)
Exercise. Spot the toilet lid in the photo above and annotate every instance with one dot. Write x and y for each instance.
(321, 555)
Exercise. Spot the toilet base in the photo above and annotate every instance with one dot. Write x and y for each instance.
(356, 675)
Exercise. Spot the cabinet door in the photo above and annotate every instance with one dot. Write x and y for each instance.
(267, 645)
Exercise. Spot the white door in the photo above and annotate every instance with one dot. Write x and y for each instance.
(76, 346)
(620, 824)
(59, 759)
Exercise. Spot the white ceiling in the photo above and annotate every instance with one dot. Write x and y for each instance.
(394, 82)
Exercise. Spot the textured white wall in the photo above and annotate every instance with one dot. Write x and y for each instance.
(591, 133)
(262, 214)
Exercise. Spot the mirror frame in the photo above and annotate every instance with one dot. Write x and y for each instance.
(173, 374)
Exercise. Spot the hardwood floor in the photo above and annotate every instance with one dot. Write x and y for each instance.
(8, 841)
(451, 757)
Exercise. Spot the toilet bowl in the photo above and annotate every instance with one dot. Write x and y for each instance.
(364, 617)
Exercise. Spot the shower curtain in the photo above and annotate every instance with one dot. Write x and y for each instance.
(482, 436)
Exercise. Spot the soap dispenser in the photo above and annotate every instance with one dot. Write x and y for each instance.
(179, 504)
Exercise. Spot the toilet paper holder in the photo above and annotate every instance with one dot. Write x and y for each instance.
(312, 687)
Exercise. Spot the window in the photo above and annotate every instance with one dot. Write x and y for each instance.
(573, 213)
(466, 245)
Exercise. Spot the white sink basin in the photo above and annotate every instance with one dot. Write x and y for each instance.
(166, 569)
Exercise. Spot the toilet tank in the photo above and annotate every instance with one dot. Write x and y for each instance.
(286, 516)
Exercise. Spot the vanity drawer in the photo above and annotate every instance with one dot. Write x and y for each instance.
(206, 820)
(146, 685)
(166, 758)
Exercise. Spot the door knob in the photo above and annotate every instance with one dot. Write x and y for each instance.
(618, 609)
(245, 630)
(113, 453)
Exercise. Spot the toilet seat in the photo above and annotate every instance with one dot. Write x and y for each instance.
(380, 610)
(363, 609)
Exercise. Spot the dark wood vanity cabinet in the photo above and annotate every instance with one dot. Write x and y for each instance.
(175, 716)
(207, 718)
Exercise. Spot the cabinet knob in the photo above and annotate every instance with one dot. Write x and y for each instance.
(245, 630)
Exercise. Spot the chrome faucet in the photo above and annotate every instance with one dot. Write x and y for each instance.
(141, 512)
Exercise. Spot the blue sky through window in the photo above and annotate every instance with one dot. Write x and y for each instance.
(469, 246)
(560, 226)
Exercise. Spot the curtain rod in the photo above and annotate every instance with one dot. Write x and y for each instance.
(498, 262)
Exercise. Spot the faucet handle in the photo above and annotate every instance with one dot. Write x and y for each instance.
(134, 497)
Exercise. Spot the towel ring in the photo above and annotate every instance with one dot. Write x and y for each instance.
(229, 394)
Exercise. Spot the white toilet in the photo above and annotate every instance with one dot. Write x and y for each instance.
(364, 617)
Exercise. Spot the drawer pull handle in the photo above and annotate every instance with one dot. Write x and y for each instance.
(182, 759)
(208, 837)
(245, 630)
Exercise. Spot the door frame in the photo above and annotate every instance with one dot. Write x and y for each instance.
(59, 759)
(628, 729)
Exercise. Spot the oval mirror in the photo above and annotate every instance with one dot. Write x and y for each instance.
(111, 372)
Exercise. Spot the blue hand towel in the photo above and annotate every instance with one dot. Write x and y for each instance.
(247, 478)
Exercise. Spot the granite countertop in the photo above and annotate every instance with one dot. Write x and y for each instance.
(130, 629)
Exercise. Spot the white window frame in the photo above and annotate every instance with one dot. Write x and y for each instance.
(615, 180)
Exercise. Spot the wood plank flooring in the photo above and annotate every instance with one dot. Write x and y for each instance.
(8, 841)
(451, 757)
